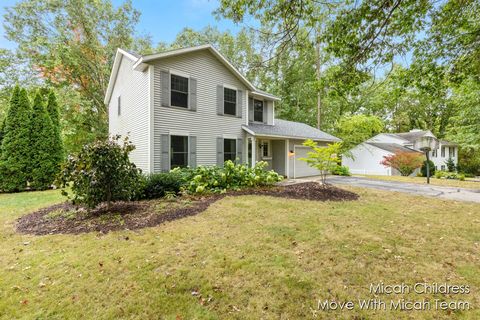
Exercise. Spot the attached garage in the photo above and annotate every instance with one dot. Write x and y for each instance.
(281, 146)
(301, 168)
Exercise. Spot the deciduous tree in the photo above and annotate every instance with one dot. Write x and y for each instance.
(403, 161)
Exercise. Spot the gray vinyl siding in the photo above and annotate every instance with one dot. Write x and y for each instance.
(204, 123)
(278, 156)
(133, 88)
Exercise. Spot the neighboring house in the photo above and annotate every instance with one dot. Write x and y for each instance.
(191, 107)
(366, 157)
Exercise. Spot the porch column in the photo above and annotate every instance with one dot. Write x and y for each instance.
(254, 147)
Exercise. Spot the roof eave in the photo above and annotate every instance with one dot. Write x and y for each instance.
(253, 133)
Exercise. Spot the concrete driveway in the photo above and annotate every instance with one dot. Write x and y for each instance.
(450, 193)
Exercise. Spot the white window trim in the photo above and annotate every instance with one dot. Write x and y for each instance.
(228, 86)
(236, 99)
(229, 136)
(253, 109)
(178, 133)
(269, 149)
(184, 75)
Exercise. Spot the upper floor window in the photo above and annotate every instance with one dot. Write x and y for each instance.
(443, 152)
(179, 91)
(229, 149)
(119, 105)
(257, 110)
(229, 101)
(178, 151)
(451, 152)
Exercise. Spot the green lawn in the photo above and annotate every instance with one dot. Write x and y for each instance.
(434, 181)
(249, 257)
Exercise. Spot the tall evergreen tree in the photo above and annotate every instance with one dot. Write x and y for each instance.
(16, 149)
(57, 143)
(44, 167)
(2, 133)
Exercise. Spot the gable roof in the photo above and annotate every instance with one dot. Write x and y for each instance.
(392, 147)
(288, 129)
(141, 62)
(412, 136)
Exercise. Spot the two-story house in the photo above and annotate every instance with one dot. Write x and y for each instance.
(366, 157)
(191, 107)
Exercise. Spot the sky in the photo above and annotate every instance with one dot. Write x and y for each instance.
(161, 19)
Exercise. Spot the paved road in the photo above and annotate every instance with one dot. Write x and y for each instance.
(451, 193)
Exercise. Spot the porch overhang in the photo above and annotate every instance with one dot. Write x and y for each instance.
(288, 130)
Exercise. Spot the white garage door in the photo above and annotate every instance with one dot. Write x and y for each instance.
(301, 168)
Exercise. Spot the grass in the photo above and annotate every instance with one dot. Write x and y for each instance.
(422, 180)
(249, 257)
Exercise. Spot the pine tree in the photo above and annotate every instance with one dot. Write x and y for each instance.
(44, 167)
(57, 143)
(15, 157)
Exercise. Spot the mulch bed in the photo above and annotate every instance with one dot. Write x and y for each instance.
(65, 218)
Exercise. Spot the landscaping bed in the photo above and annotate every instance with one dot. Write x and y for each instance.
(67, 218)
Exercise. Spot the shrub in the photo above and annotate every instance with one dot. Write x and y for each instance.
(157, 185)
(448, 175)
(404, 162)
(341, 171)
(431, 166)
(101, 172)
(232, 176)
(461, 177)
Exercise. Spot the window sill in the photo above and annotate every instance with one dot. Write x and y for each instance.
(178, 108)
(229, 115)
(266, 158)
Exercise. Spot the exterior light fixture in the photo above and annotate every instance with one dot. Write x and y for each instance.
(428, 143)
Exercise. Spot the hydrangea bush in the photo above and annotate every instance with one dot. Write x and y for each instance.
(204, 179)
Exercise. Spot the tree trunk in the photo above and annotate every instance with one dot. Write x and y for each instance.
(318, 74)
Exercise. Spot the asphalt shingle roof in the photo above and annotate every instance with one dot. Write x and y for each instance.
(392, 147)
(290, 129)
(411, 136)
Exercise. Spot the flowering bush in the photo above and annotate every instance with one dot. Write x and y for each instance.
(231, 177)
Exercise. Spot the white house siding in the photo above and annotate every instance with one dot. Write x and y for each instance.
(366, 160)
(204, 123)
(132, 86)
(440, 161)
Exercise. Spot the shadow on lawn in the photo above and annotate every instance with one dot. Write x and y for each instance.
(66, 218)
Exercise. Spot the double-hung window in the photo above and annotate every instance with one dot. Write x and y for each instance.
(257, 110)
(178, 151)
(229, 101)
(179, 91)
(443, 152)
(229, 149)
